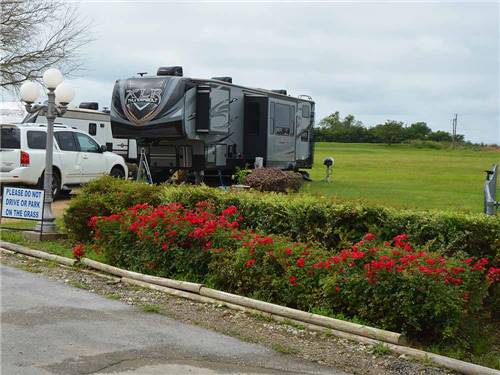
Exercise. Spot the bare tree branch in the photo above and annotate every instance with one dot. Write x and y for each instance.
(36, 35)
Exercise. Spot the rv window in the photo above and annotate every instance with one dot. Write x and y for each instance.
(283, 119)
(10, 138)
(304, 137)
(86, 143)
(66, 141)
(37, 140)
(92, 128)
(305, 110)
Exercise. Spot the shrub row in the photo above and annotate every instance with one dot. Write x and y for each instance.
(305, 217)
(391, 285)
(301, 217)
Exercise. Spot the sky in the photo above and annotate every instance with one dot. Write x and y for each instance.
(406, 61)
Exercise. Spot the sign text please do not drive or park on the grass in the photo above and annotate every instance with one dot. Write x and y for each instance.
(22, 203)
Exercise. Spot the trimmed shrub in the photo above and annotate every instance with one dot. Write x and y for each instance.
(104, 196)
(302, 217)
(391, 285)
(306, 218)
(274, 179)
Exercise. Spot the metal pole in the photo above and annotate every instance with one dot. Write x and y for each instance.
(48, 221)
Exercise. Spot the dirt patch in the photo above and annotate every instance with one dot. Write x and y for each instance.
(293, 340)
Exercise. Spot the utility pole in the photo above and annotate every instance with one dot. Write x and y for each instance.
(454, 125)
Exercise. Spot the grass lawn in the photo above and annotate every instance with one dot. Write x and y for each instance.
(403, 175)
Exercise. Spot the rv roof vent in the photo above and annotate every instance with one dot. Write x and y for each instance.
(169, 71)
(89, 105)
(281, 91)
(224, 79)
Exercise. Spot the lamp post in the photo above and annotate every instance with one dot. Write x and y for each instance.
(59, 95)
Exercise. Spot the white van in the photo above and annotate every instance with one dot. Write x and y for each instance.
(88, 118)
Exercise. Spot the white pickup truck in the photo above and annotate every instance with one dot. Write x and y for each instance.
(78, 158)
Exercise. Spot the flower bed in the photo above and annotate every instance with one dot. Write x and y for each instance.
(391, 285)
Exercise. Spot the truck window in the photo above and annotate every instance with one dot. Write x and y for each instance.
(37, 140)
(10, 138)
(66, 141)
(86, 143)
(92, 128)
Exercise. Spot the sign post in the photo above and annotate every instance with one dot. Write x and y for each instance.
(21, 203)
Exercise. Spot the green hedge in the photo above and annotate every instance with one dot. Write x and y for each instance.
(302, 217)
(105, 196)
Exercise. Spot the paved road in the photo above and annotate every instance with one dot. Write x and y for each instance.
(51, 328)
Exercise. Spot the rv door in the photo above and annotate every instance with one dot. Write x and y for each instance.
(190, 113)
(304, 129)
(219, 110)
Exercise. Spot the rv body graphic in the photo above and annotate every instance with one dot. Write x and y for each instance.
(212, 124)
(94, 122)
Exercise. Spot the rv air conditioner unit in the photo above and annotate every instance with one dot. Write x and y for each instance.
(224, 79)
(89, 105)
(170, 71)
(281, 91)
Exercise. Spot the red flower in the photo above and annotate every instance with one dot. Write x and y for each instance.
(493, 274)
(92, 222)
(266, 241)
(164, 246)
(79, 251)
(288, 251)
(231, 210)
(369, 237)
(337, 289)
(293, 280)
(250, 262)
(301, 262)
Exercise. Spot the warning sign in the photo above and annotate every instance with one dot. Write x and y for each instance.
(22, 203)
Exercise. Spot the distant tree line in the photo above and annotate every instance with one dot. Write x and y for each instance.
(335, 129)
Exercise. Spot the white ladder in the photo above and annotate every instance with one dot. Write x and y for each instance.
(144, 168)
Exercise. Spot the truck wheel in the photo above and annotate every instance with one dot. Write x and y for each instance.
(117, 172)
(56, 184)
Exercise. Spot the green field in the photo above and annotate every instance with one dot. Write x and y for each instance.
(403, 175)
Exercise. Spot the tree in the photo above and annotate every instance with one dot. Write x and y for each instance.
(37, 35)
(440, 136)
(390, 132)
(418, 130)
(334, 129)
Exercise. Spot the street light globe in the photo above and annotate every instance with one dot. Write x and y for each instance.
(64, 93)
(52, 78)
(30, 91)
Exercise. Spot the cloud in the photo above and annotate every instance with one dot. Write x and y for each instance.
(407, 61)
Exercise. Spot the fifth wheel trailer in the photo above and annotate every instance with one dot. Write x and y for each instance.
(211, 124)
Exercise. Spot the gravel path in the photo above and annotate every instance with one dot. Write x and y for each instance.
(298, 343)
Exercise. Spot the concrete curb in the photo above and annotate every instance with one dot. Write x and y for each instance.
(207, 295)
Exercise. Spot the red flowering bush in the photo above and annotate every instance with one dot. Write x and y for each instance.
(78, 251)
(391, 285)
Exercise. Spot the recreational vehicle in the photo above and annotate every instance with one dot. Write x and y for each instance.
(211, 124)
(88, 118)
